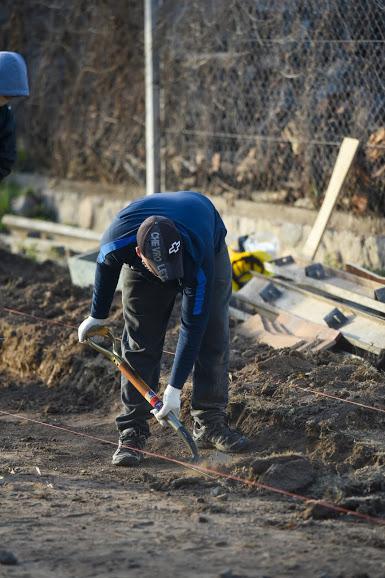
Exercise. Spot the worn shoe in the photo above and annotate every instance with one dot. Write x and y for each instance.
(215, 433)
(127, 456)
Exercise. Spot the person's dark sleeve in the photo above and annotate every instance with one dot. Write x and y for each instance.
(7, 142)
(194, 318)
(107, 273)
(106, 280)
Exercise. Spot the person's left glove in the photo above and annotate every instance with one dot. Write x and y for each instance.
(171, 402)
(86, 325)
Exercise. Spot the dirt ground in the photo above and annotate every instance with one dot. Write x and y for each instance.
(67, 512)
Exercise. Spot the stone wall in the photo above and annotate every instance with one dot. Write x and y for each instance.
(347, 239)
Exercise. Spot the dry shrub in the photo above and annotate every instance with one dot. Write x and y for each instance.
(84, 118)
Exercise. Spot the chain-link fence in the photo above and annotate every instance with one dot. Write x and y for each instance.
(257, 96)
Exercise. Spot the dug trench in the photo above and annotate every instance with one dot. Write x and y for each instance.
(83, 517)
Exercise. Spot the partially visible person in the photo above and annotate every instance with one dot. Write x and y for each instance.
(13, 83)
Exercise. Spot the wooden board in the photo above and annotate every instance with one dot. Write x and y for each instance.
(361, 330)
(343, 163)
(363, 286)
(363, 273)
(341, 285)
(24, 225)
(288, 330)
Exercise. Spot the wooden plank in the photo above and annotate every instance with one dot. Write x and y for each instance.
(318, 296)
(288, 330)
(363, 273)
(48, 228)
(341, 286)
(367, 286)
(363, 286)
(361, 330)
(343, 163)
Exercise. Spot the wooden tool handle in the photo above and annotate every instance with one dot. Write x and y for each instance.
(140, 385)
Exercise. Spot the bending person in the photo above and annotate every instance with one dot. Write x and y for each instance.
(169, 243)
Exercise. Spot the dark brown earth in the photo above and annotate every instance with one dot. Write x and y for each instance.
(66, 512)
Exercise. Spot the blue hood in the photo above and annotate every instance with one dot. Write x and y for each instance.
(13, 75)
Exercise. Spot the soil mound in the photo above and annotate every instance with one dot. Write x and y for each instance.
(301, 441)
(42, 364)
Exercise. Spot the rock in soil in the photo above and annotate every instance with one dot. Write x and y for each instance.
(8, 558)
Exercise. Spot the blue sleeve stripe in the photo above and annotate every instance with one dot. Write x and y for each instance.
(113, 245)
(200, 292)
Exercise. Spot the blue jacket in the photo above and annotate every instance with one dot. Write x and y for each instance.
(202, 231)
(7, 141)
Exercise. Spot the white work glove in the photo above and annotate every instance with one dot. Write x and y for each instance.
(171, 402)
(86, 325)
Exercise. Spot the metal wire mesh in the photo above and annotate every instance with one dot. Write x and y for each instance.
(257, 96)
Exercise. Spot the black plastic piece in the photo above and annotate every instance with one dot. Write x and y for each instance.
(315, 271)
(380, 294)
(335, 319)
(270, 292)
(241, 242)
(281, 261)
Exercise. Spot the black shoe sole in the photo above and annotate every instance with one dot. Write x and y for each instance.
(126, 464)
(232, 450)
(127, 461)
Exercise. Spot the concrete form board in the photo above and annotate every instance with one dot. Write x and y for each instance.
(362, 331)
(336, 284)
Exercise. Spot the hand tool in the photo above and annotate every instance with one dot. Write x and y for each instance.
(134, 378)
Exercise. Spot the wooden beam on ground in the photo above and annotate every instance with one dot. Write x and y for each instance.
(341, 285)
(75, 237)
(363, 273)
(361, 330)
(318, 296)
(343, 163)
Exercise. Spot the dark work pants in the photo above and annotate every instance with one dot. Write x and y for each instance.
(147, 306)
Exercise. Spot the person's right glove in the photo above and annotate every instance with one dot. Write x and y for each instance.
(171, 402)
(86, 325)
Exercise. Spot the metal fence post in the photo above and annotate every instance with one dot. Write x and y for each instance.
(152, 98)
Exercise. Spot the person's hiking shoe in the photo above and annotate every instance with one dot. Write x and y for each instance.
(215, 433)
(127, 456)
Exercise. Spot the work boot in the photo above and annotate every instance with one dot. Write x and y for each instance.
(212, 431)
(125, 456)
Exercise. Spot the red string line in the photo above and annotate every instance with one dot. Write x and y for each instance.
(51, 321)
(323, 394)
(308, 390)
(201, 468)
(205, 470)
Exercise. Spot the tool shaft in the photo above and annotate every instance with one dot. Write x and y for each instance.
(140, 385)
(134, 378)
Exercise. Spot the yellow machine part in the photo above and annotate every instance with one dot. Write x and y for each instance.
(242, 262)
